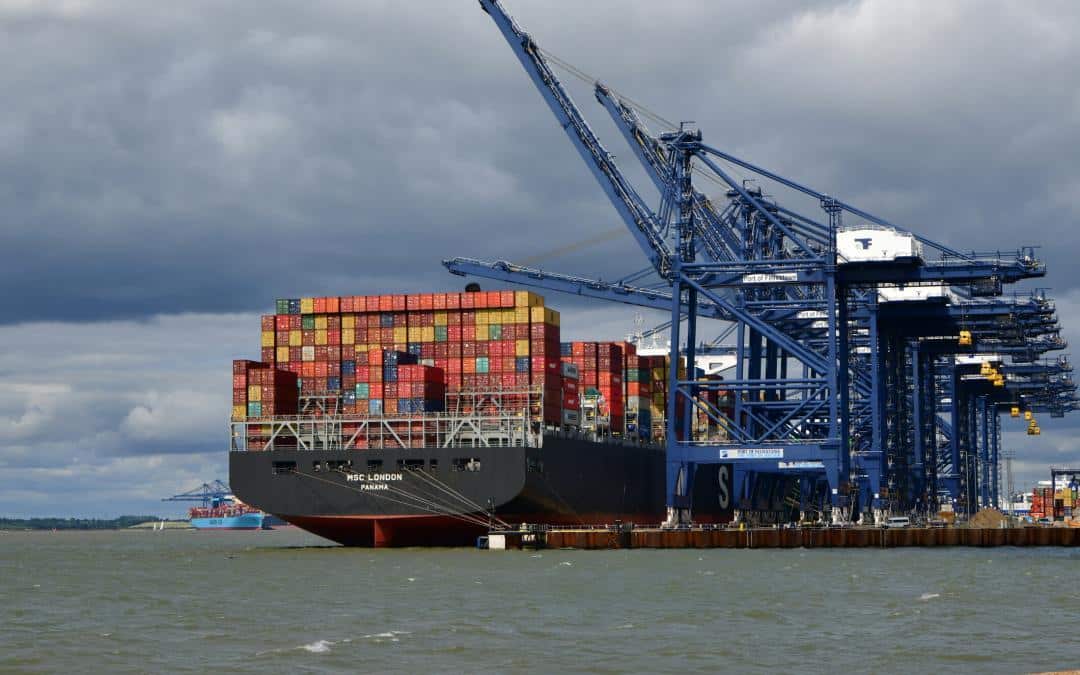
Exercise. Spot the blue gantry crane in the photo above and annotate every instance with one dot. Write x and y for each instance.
(206, 494)
(872, 364)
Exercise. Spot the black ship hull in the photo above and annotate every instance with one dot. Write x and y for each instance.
(446, 496)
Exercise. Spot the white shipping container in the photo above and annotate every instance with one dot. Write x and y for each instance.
(570, 371)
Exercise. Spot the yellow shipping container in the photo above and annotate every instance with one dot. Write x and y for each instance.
(482, 334)
(239, 413)
(296, 338)
(254, 393)
(427, 334)
(348, 336)
(348, 321)
(320, 322)
(401, 335)
(507, 316)
(268, 338)
(536, 315)
(440, 319)
(527, 299)
(282, 354)
(521, 314)
(414, 333)
(481, 317)
(307, 305)
(320, 336)
(521, 348)
(360, 349)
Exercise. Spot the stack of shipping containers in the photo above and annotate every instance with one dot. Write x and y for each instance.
(400, 354)
(261, 390)
(600, 370)
(571, 394)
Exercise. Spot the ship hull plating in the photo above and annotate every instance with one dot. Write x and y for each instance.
(447, 496)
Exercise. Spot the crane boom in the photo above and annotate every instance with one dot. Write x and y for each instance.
(639, 218)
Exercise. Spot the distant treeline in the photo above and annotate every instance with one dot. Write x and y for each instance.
(72, 523)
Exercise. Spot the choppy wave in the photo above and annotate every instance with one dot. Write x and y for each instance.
(317, 647)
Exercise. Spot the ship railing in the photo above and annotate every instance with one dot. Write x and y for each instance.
(354, 432)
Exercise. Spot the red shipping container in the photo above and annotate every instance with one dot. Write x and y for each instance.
(427, 301)
(494, 299)
(412, 303)
(296, 322)
(267, 322)
(268, 355)
(333, 305)
(239, 396)
(307, 338)
(319, 305)
(239, 381)
(308, 369)
(333, 337)
(438, 301)
(506, 299)
(348, 305)
(397, 303)
(468, 301)
(281, 338)
(281, 322)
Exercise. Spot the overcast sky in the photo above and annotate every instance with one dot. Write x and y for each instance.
(168, 169)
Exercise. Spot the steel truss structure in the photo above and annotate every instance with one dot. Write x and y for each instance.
(859, 387)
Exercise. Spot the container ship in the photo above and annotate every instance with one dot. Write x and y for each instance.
(228, 514)
(424, 420)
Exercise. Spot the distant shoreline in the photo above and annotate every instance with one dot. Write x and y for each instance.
(80, 524)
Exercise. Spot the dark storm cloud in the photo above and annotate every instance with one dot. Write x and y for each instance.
(209, 157)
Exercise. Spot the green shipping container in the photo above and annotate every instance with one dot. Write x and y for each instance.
(494, 332)
(440, 333)
(308, 322)
(482, 365)
(254, 409)
(362, 389)
(282, 306)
